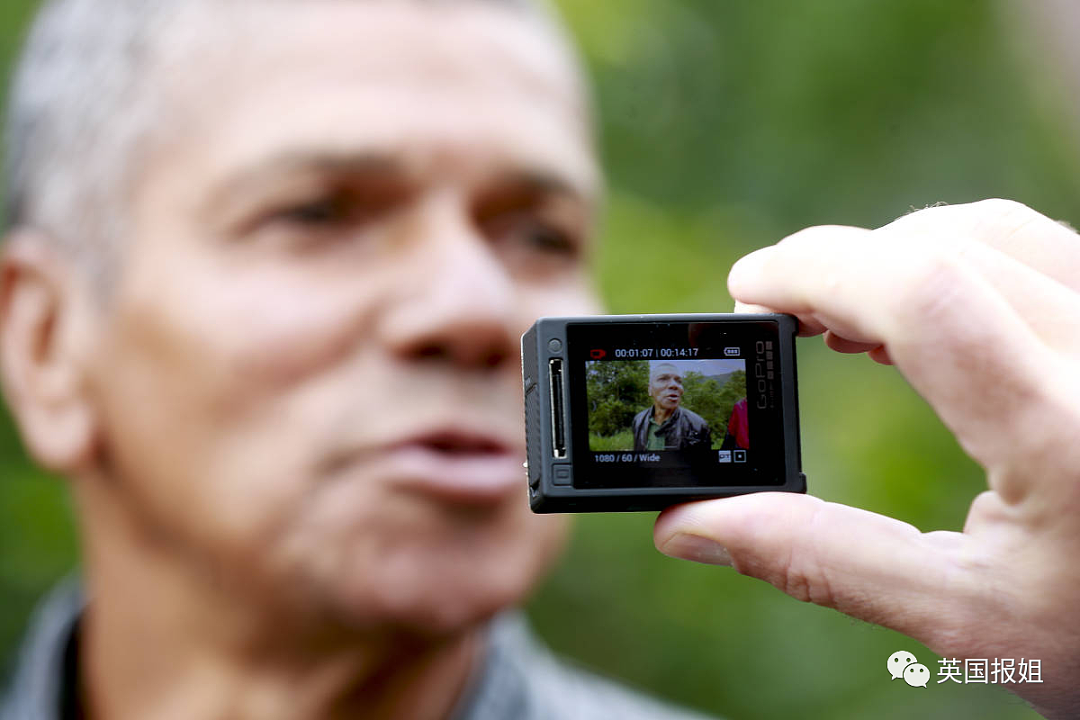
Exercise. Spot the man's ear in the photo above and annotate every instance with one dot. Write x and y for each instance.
(43, 328)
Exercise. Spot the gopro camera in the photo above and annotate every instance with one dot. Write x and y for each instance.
(639, 412)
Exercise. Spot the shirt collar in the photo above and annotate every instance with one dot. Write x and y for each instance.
(46, 682)
(671, 417)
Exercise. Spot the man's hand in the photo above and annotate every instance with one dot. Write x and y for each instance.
(978, 306)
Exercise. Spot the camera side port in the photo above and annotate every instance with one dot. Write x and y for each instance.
(558, 423)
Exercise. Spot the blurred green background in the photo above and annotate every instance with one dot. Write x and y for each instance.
(725, 126)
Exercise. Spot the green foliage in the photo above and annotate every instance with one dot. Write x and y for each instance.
(713, 401)
(616, 392)
(619, 441)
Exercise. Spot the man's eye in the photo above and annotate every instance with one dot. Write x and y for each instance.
(324, 211)
(543, 238)
(547, 239)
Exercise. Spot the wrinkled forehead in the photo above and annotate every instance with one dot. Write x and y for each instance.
(485, 40)
(481, 80)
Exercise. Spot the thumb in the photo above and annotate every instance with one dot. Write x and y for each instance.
(869, 566)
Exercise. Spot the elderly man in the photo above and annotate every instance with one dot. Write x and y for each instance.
(267, 267)
(665, 425)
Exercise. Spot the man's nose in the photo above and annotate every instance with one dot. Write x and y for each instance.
(461, 302)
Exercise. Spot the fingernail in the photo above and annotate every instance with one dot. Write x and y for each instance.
(697, 548)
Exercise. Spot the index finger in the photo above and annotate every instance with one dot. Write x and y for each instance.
(950, 332)
(1048, 246)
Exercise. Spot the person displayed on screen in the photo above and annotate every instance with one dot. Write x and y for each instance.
(665, 425)
(737, 436)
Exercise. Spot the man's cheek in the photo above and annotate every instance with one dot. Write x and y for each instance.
(287, 345)
(569, 297)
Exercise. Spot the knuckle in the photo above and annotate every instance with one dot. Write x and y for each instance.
(1002, 208)
(971, 222)
(940, 221)
(932, 284)
(804, 579)
(1006, 220)
(800, 573)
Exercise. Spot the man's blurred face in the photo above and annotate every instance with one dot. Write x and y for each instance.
(665, 387)
(309, 377)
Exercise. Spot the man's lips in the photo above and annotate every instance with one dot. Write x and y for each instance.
(455, 466)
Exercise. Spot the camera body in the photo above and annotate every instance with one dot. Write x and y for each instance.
(640, 412)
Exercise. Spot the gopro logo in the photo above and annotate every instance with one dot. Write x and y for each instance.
(764, 373)
(731, 352)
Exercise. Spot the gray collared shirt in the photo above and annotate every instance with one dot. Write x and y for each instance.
(518, 680)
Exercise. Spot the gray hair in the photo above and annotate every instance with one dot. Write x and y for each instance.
(82, 104)
(655, 365)
(75, 109)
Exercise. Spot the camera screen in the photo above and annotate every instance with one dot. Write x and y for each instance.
(660, 404)
(676, 404)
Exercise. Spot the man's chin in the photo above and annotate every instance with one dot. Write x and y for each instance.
(428, 612)
(432, 591)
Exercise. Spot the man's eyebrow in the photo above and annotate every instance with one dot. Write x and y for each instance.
(290, 162)
(259, 176)
(526, 184)
(547, 183)
(530, 180)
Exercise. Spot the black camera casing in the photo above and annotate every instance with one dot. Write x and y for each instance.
(565, 475)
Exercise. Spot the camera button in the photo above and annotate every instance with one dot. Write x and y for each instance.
(562, 475)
